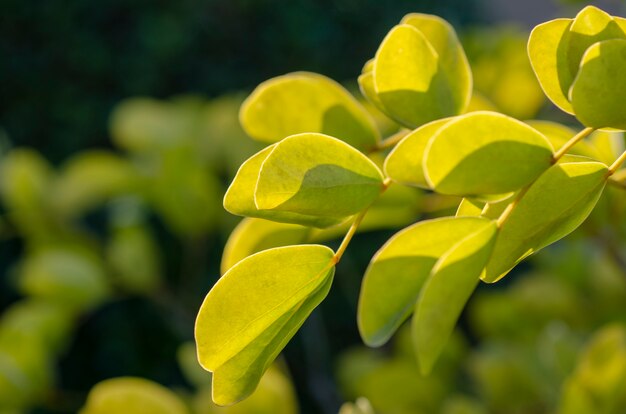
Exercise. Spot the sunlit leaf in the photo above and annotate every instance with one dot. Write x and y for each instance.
(239, 198)
(318, 175)
(253, 235)
(599, 91)
(306, 102)
(559, 134)
(254, 309)
(485, 153)
(446, 290)
(469, 207)
(404, 162)
(397, 272)
(132, 396)
(554, 206)
(548, 59)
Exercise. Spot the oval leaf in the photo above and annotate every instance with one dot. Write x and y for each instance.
(554, 206)
(132, 396)
(239, 198)
(444, 294)
(599, 91)
(306, 102)
(314, 174)
(396, 273)
(548, 59)
(253, 235)
(485, 153)
(404, 162)
(253, 295)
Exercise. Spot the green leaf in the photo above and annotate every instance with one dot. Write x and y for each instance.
(548, 59)
(238, 377)
(306, 102)
(559, 134)
(254, 309)
(599, 91)
(444, 294)
(591, 25)
(253, 235)
(404, 162)
(239, 198)
(396, 273)
(470, 207)
(485, 153)
(554, 206)
(65, 276)
(317, 175)
(416, 80)
(132, 396)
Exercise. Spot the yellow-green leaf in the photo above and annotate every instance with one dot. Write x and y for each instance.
(396, 273)
(314, 174)
(485, 153)
(554, 206)
(132, 396)
(306, 102)
(404, 162)
(599, 90)
(559, 134)
(448, 287)
(253, 301)
(239, 198)
(548, 59)
(253, 235)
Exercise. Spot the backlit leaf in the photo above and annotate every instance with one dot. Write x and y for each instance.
(548, 59)
(404, 162)
(554, 206)
(306, 102)
(444, 294)
(599, 91)
(253, 235)
(485, 153)
(239, 198)
(396, 273)
(317, 175)
(254, 309)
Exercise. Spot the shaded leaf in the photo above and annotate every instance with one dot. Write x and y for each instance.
(448, 287)
(554, 206)
(396, 273)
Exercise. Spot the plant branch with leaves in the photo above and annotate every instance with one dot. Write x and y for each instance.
(322, 169)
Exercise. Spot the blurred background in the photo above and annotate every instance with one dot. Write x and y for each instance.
(118, 138)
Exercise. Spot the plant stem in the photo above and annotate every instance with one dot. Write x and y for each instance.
(618, 162)
(555, 158)
(569, 144)
(507, 211)
(355, 225)
(391, 141)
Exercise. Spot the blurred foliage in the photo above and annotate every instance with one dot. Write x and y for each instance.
(107, 253)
